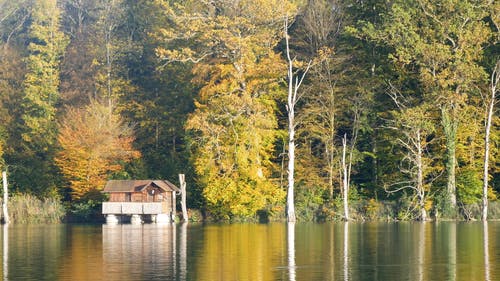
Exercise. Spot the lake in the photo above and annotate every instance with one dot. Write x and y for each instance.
(274, 251)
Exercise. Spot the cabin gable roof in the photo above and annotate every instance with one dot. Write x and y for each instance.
(129, 186)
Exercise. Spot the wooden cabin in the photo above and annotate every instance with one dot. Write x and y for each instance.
(137, 198)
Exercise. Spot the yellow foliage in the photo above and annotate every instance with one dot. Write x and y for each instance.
(234, 124)
(428, 204)
(373, 207)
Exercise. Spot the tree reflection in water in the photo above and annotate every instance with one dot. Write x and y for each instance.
(346, 251)
(267, 252)
(486, 251)
(291, 250)
(5, 251)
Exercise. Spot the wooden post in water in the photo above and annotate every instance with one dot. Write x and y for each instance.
(5, 198)
(182, 181)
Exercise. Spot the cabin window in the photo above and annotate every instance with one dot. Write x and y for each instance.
(128, 197)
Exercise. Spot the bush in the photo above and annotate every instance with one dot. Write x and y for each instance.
(469, 187)
(373, 209)
(194, 215)
(327, 212)
(85, 211)
(307, 203)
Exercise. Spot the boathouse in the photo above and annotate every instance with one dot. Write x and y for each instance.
(140, 199)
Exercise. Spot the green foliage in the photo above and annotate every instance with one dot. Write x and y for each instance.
(42, 80)
(443, 207)
(431, 42)
(34, 131)
(469, 186)
(310, 204)
(85, 211)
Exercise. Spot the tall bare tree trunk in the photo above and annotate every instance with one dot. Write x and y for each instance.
(345, 179)
(420, 179)
(495, 79)
(330, 147)
(293, 86)
(290, 204)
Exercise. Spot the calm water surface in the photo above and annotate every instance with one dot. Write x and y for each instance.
(276, 251)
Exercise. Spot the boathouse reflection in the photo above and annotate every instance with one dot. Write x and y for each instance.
(142, 251)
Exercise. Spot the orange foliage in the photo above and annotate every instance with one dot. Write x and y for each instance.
(95, 143)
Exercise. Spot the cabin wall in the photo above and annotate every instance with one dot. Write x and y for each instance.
(118, 197)
(167, 198)
(137, 197)
(141, 197)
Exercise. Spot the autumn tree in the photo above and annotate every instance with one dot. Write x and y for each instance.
(10, 91)
(233, 128)
(94, 145)
(78, 67)
(315, 36)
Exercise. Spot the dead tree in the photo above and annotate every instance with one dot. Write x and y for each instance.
(495, 79)
(294, 83)
(414, 126)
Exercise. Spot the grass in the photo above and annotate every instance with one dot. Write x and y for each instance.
(26, 208)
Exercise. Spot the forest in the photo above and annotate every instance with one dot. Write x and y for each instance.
(303, 109)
